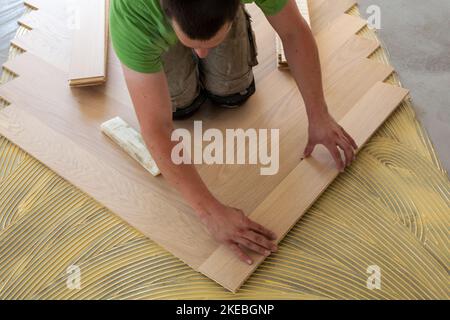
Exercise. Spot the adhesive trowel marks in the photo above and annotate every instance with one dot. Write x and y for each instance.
(387, 215)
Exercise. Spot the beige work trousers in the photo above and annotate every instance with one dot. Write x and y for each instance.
(225, 71)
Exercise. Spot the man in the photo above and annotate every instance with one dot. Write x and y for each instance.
(177, 53)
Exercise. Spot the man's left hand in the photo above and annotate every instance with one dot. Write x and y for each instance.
(323, 129)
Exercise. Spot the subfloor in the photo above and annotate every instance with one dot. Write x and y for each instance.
(415, 32)
(389, 210)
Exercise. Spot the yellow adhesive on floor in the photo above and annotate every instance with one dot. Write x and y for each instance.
(390, 209)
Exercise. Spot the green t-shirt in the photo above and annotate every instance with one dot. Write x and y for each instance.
(141, 33)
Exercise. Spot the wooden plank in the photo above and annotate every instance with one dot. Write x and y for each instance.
(335, 35)
(89, 45)
(283, 208)
(72, 118)
(262, 111)
(60, 127)
(135, 203)
(42, 4)
(323, 13)
(49, 38)
(343, 87)
(77, 114)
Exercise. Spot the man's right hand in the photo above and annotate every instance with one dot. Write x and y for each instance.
(231, 227)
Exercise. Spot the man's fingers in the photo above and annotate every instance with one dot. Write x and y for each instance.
(240, 253)
(350, 139)
(264, 231)
(348, 151)
(253, 246)
(308, 150)
(347, 139)
(260, 240)
(336, 156)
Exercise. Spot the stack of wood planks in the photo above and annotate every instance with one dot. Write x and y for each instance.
(89, 48)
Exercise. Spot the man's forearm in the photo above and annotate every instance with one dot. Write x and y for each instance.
(184, 177)
(150, 95)
(303, 58)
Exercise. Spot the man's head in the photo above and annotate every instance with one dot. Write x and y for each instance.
(201, 24)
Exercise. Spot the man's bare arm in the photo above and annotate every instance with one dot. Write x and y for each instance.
(303, 58)
(150, 95)
(151, 100)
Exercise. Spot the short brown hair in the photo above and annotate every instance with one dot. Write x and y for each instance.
(201, 19)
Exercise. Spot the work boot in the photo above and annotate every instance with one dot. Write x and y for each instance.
(233, 100)
(186, 112)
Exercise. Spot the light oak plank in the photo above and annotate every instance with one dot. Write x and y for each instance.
(77, 114)
(263, 111)
(54, 6)
(49, 38)
(283, 207)
(343, 87)
(89, 44)
(323, 13)
(136, 204)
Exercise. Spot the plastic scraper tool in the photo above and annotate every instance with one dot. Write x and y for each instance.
(131, 142)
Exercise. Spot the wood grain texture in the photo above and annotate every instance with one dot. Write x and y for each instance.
(89, 48)
(74, 116)
(65, 125)
(323, 12)
(283, 207)
(264, 110)
(46, 40)
(146, 210)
